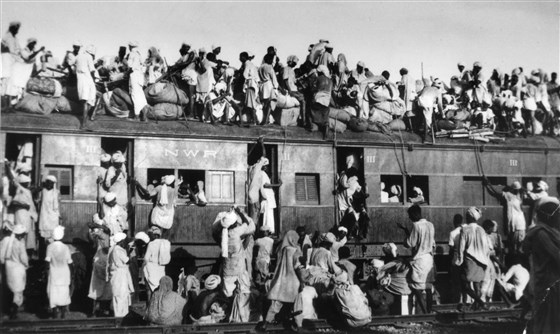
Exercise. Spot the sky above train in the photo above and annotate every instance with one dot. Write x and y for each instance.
(386, 35)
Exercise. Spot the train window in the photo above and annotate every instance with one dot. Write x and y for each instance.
(220, 186)
(22, 151)
(474, 192)
(111, 145)
(418, 189)
(307, 189)
(64, 177)
(530, 182)
(193, 179)
(391, 189)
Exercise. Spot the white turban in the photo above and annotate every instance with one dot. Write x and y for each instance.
(22, 178)
(142, 236)
(418, 191)
(77, 43)
(167, 180)
(227, 219)
(329, 237)
(118, 237)
(324, 69)
(25, 168)
(542, 185)
(212, 282)
(343, 229)
(264, 161)
(51, 178)
(155, 230)
(19, 229)
(474, 213)
(377, 263)
(58, 233)
(118, 157)
(90, 49)
(109, 197)
(390, 249)
(133, 43)
(105, 157)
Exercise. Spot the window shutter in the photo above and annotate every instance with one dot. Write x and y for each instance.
(307, 189)
(301, 191)
(312, 189)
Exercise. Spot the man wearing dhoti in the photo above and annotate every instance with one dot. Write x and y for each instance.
(49, 216)
(58, 287)
(13, 257)
(10, 53)
(22, 69)
(136, 81)
(119, 276)
(158, 254)
(85, 75)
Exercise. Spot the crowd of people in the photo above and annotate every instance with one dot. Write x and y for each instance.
(322, 93)
(269, 276)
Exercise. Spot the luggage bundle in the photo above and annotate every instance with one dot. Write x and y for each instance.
(44, 95)
(286, 112)
(167, 101)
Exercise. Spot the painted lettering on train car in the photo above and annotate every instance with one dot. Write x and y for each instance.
(191, 153)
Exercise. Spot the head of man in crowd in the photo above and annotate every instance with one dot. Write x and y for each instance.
(457, 220)
(269, 58)
(50, 182)
(414, 213)
(553, 77)
(117, 160)
(490, 226)
(473, 214)
(386, 75)
(515, 188)
(403, 71)
(243, 57)
(14, 27)
(460, 66)
(216, 49)
(292, 61)
(360, 67)
(154, 233)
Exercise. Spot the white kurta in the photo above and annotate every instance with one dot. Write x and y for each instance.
(86, 86)
(120, 279)
(268, 204)
(26, 217)
(58, 287)
(164, 211)
(136, 81)
(119, 187)
(14, 256)
(21, 72)
(156, 257)
(49, 214)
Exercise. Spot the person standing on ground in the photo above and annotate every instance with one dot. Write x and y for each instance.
(60, 261)
(13, 257)
(420, 239)
(158, 254)
(119, 276)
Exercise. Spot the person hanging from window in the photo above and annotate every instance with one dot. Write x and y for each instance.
(113, 215)
(116, 179)
(165, 196)
(105, 163)
(49, 215)
(417, 196)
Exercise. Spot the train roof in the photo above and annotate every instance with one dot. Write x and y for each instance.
(115, 127)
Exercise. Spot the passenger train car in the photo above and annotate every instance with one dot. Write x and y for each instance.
(448, 171)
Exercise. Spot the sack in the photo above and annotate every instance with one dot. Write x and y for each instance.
(357, 124)
(378, 127)
(336, 126)
(165, 92)
(444, 124)
(121, 99)
(339, 114)
(378, 94)
(397, 124)
(42, 85)
(165, 111)
(63, 105)
(36, 104)
(286, 117)
(286, 101)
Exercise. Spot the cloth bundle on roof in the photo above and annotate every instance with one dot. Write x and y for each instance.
(63, 105)
(357, 124)
(336, 125)
(165, 112)
(37, 104)
(44, 86)
(119, 103)
(286, 101)
(340, 115)
(286, 117)
(378, 127)
(397, 124)
(166, 92)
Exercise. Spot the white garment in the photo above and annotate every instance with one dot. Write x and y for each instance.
(519, 277)
(158, 254)
(58, 287)
(99, 287)
(304, 303)
(136, 81)
(14, 257)
(121, 281)
(86, 87)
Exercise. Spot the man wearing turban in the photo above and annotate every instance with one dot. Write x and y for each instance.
(13, 257)
(114, 216)
(58, 287)
(119, 276)
(158, 254)
(473, 256)
(116, 180)
(165, 196)
(10, 53)
(105, 163)
(49, 216)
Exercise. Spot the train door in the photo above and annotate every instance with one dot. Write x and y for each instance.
(350, 160)
(254, 153)
(23, 151)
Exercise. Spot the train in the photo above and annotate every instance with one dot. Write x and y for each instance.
(449, 171)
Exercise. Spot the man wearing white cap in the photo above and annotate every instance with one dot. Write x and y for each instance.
(429, 99)
(114, 216)
(23, 205)
(116, 180)
(85, 75)
(58, 286)
(165, 196)
(473, 256)
(49, 216)
(100, 288)
(540, 190)
(327, 57)
(340, 241)
(513, 218)
(251, 84)
(10, 53)
(69, 62)
(119, 276)
(421, 240)
(13, 257)
(136, 81)
(157, 256)
(22, 69)
(105, 163)
(464, 76)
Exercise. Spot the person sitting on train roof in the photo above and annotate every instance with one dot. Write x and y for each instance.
(205, 82)
(155, 66)
(250, 86)
(165, 306)
(49, 215)
(60, 262)
(429, 99)
(10, 53)
(113, 215)
(472, 256)
(289, 84)
(322, 91)
(136, 81)
(13, 258)
(157, 256)
(86, 75)
(514, 223)
(165, 196)
(22, 69)
(420, 239)
(116, 179)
